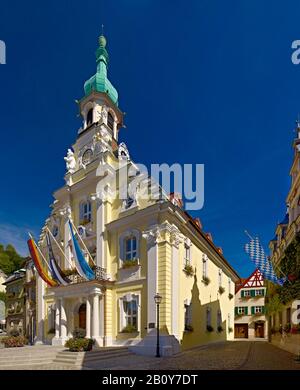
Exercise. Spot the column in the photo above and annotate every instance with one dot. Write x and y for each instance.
(63, 320)
(100, 259)
(95, 321)
(88, 318)
(40, 314)
(57, 319)
(152, 257)
(175, 240)
(67, 237)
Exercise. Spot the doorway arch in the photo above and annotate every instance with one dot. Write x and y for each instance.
(82, 316)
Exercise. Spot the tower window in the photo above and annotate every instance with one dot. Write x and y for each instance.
(85, 212)
(110, 121)
(89, 117)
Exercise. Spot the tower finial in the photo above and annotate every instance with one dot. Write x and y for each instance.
(102, 29)
(102, 39)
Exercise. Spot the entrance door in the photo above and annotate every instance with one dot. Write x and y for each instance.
(259, 330)
(82, 316)
(241, 331)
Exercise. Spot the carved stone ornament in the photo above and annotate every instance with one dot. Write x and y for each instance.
(70, 161)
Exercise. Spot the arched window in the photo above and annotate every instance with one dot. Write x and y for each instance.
(85, 212)
(89, 117)
(110, 121)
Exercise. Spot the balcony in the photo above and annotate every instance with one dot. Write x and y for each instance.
(100, 275)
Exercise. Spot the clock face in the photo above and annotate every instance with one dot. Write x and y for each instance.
(87, 156)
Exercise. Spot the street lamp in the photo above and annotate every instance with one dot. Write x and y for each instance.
(157, 299)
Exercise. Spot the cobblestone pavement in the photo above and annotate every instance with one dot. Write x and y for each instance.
(237, 355)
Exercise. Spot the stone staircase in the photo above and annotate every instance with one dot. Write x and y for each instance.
(84, 359)
(27, 356)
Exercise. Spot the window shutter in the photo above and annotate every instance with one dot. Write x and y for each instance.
(252, 293)
(263, 310)
(263, 292)
(252, 309)
(246, 310)
(242, 293)
(236, 310)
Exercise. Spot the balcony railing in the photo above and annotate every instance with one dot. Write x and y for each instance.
(100, 275)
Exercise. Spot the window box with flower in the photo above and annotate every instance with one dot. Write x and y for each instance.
(205, 280)
(188, 269)
(221, 290)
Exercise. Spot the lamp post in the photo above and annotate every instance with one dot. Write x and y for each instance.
(157, 299)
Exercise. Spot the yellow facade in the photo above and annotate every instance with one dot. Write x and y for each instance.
(159, 235)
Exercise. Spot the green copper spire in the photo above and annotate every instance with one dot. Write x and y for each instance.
(99, 82)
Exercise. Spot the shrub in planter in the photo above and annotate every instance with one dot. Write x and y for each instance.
(188, 328)
(189, 270)
(205, 280)
(209, 328)
(221, 290)
(79, 333)
(79, 345)
(14, 341)
(220, 329)
(129, 263)
(230, 296)
(129, 329)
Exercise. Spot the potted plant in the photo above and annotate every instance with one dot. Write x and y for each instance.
(79, 343)
(14, 339)
(188, 270)
(230, 296)
(220, 329)
(129, 263)
(230, 330)
(221, 290)
(129, 329)
(205, 280)
(209, 328)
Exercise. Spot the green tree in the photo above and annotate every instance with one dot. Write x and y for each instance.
(10, 260)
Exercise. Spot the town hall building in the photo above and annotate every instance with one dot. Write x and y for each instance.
(137, 246)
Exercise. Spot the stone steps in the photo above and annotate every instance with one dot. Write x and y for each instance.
(27, 356)
(84, 358)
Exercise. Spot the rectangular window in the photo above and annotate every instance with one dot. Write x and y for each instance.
(130, 248)
(229, 286)
(219, 318)
(130, 309)
(247, 293)
(259, 293)
(204, 266)
(187, 254)
(188, 316)
(220, 278)
(258, 309)
(241, 310)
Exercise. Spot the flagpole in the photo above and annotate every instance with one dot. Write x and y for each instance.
(40, 252)
(88, 252)
(59, 247)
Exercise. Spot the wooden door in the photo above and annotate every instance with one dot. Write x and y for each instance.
(241, 331)
(259, 330)
(82, 316)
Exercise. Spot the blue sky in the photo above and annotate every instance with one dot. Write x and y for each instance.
(207, 82)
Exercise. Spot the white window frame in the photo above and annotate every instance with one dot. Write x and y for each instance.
(204, 265)
(123, 317)
(258, 309)
(85, 211)
(247, 293)
(122, 244)
(188, 314)
(219, 318)
(241, 310)
(220, 277)
(259, 293)
(130, 254)
(187, 253)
